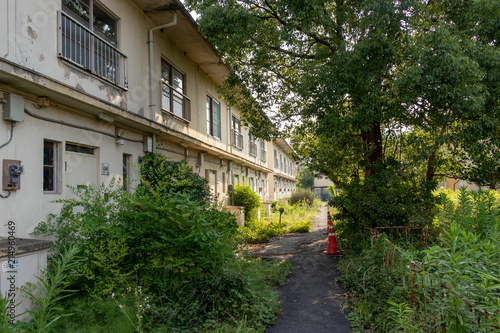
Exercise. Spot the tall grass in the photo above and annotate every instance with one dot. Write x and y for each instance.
(453, 286)
(294, 219)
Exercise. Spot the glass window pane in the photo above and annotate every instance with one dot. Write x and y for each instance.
(48, 178)
(78, 9)
(216, 118)
(165, 72)
(177, 80)
(209, 116)
(104, 25)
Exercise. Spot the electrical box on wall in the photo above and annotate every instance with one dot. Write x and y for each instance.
(11, 175)
(13, 109)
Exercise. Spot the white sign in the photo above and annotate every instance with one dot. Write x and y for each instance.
(10, 265)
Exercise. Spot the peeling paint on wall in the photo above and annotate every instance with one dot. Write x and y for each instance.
(79, 87)
(32, 33)
(42, 58)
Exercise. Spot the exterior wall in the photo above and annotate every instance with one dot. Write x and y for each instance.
(27, 146)
(282, 181)
(30, 68)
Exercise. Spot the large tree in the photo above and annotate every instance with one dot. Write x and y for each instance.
(381, 96)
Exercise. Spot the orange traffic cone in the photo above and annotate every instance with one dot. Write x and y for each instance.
(332, 249)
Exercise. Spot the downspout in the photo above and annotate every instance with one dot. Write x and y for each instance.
(151, 67)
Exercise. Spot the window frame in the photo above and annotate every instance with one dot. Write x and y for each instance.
(169, 85)
(236, 131)
(94, 51)
(252, 146)
(55, 167)
(211, 119)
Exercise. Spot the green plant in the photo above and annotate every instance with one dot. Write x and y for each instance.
(7, 324)
(51, 290)
(158, 173)
(403, 318)
(302, 196)
(243, 195)
(141, 304)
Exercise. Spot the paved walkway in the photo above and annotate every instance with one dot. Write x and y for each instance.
(312, 300)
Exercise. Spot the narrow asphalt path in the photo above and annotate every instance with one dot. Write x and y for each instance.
(312, 299)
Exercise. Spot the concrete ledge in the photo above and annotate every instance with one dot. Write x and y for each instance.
(23, 245)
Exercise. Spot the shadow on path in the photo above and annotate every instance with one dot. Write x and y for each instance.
(312, 300)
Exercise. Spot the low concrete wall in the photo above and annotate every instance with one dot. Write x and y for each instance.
(239, 211)
(22, 261)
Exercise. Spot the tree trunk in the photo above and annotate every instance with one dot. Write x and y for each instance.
(373, 146)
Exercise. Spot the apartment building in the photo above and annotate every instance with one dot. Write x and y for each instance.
(283, 177)
(88, 86)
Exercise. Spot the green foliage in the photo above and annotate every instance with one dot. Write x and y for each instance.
(382, 200)
(460, 272)
(362, 274)
(243, 195)
(284, 218)
(369, 86)
(51, 289)
(179, 253)
(158, 173)
(146, 237)
(302, 195)
(305, 179)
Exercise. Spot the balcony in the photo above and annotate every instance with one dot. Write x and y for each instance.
(85, 49)
(174, 102)
(253, 148)
(237, 139)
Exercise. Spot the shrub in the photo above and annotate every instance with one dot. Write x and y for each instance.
(172, 177)
(140, 238)
(382, 200)
(302, 196)
(243, 195)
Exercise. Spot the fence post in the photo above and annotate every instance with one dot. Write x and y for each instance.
(414, 284)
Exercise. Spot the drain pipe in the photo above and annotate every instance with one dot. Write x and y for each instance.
(151, 66)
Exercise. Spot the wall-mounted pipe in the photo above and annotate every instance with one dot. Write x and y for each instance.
(152, 89)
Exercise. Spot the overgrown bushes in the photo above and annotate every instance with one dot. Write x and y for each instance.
(243, 195)
(382, 200)
(170, 243)
(302, 195)
(453, 286)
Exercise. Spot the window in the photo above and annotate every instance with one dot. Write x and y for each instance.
(281, 162)
(236, 180)
(126, 172)
(252, 145)
(276, 163)
(213, 117)
(173, 98)
(252, 184)
(236, 129)
(50, 174)
(88, 38)
(79, 149)
(262, 150)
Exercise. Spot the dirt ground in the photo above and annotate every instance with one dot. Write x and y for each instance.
(312, 299)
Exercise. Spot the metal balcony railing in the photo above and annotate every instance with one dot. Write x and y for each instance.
(237, 139)
(175, 102)
(253, 148)
(84, 48)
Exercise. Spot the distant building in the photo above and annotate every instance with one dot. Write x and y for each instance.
(321, 189)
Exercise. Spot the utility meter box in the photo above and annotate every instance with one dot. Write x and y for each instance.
(13, 109)
(11, 175)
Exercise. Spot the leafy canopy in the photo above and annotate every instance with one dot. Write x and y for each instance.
(365, 87)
